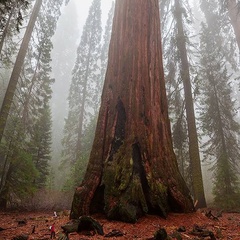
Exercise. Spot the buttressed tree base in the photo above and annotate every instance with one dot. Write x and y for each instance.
(132, 168)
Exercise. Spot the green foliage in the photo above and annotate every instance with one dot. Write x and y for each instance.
(77, 170)
(62, 64)
(28, 133)
(80, 124)
(50, 179)
(40, 146)
(217, 110)
(22, 174)
(85, 87)
(12, 17)
(19, 178)
(180, 143)
(173, 77)
(12, 6)
(226, 184)
(106, 41)
(76, 175)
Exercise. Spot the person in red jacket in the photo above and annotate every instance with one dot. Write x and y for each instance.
(52, 231)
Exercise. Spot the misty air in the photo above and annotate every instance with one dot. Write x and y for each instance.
(119, 119)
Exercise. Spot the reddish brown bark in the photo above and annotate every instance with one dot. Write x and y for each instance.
(132, 169)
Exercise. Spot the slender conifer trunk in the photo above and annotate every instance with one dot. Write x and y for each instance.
(195, 163)
(8, 99)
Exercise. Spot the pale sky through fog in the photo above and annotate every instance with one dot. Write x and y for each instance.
(83, 8)
(63, 76)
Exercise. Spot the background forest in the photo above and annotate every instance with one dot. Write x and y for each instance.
(52, 69)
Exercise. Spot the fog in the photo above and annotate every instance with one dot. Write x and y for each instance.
(65, 43)
(56, 128)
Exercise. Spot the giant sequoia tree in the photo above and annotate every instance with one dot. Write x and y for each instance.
(132, 169)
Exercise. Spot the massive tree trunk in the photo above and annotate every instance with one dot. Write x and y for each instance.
(7, 102)
(234, 13)
(82, 111)
(132, 168)
(195, 163)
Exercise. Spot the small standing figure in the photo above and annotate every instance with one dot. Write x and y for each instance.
(52, 231)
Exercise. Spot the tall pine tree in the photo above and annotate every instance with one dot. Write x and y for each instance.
(179, 69)
(232, 7)
(84, 90)
(11, 9)
(29, 120)
(218, 108)
(12, 85)
(63, 61)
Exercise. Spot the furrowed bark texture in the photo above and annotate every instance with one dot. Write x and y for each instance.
(132, 169)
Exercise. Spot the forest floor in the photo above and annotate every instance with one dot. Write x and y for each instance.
(226, 226)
